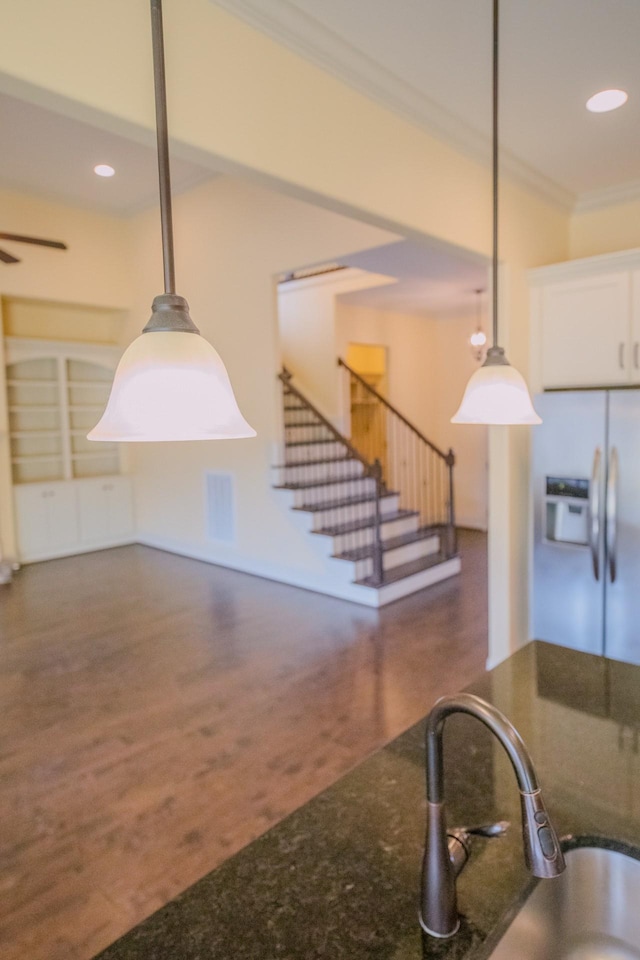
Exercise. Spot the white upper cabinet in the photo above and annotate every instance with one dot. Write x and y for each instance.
(585, 332)
(634, 354)
(586, 322)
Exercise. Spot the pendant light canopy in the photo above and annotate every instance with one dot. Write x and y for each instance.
(496, 393)
(170, 383)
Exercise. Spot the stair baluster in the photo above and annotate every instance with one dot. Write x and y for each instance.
(410, 463)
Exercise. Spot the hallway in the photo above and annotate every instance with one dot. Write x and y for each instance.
(159, 713)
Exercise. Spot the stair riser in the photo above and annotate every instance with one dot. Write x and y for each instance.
(395, 528)
(402, 588)
(358, 511)
(310, 432)
(395, 558)
(356, 487)
(314, 451)
(318, 472)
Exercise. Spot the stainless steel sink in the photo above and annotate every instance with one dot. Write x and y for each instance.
(590, 912)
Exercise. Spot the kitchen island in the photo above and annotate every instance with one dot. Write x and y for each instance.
(339, 877)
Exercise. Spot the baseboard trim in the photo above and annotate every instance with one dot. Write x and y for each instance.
(364, 596)
(78, 549)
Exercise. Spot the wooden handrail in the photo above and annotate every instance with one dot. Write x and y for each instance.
(447, 457)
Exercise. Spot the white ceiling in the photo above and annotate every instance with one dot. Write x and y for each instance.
(431, 281)
(53, 156)
(429, 60)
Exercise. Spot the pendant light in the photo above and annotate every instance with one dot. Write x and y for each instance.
(170, 383)
(478, 338)
(496, 393)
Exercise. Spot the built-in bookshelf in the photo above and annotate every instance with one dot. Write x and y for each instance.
(56, 392)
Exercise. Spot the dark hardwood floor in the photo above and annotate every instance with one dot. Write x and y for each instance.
(159, 713)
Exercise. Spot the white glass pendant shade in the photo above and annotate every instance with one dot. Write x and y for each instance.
(496, 394)
(171, 385)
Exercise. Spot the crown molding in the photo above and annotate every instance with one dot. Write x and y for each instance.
(608, 197)
(619, 260)
(311, 40)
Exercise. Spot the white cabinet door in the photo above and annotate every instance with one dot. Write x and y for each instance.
(635, 327)
(586, 331)
(47, 519)
(92, 505)
(106, 511)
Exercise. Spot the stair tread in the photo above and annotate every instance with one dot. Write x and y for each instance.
(308, 443)
(305, 423)
(314, 463)
(345, 502)
(362, 553)
(364, 522)
(309, 484)
(406, 570)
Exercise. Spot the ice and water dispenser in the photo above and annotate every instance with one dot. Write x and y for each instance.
(567, 510)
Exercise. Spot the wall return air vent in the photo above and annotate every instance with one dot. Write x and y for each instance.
(220, 507)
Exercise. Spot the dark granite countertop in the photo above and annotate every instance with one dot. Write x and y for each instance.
(338, 878)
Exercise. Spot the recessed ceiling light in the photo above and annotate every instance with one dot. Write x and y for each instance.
(104, 170)
(606, 100)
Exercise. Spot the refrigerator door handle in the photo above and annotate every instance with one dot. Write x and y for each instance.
(612, 514)
(594, 513)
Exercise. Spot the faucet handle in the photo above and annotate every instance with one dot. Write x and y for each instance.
(490, 830)
(459, 840)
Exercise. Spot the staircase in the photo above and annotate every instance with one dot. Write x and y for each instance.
(382, 540)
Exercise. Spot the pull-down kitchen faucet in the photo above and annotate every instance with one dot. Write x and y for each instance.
(445, 854)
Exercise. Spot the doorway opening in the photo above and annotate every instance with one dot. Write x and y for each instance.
(366, 416)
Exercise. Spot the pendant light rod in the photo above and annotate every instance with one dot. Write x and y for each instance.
(496, 393)
(162, 132)
(496, 16)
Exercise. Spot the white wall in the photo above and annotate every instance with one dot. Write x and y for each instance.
(429, 363)
(232, 240)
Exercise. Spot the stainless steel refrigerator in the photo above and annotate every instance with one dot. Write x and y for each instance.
(586, 484)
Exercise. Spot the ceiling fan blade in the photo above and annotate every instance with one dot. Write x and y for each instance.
(18, 238)
(7, 258)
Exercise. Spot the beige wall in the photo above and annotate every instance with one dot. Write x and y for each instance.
(281, 119)
(429, 363)
(454, 365)
(232, 241)
(94, 270)
(44, 320)
(605, 230)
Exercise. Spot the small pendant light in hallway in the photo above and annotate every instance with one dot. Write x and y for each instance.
(170, 383)
(497, 392)
(478, 338)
